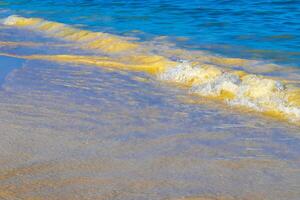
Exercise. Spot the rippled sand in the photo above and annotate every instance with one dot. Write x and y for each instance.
(82, 132)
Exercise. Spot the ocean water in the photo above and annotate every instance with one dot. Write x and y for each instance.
(251, 29)
(167, 100)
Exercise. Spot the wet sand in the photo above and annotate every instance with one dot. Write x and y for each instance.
(81, 132)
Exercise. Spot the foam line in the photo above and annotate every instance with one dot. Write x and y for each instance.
(235, 88)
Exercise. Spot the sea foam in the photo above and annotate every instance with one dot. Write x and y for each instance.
(208, 76)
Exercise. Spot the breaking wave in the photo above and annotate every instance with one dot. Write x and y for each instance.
(203, 74)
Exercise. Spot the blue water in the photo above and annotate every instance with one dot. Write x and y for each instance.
(85, 132)
(254, 29)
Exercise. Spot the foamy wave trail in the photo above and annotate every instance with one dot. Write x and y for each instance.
(95, 40)
(258, 93)
(236, 88)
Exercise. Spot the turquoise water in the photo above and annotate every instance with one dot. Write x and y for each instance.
(252, 29)
(80, 129)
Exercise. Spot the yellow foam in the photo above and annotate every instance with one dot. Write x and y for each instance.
(239, 73)
(46, 26)
(103, 41)
(148, 64)
(294, 97)
(21, 21)
(111, 44)
(237, 87)
(81, 36)
(259, 87)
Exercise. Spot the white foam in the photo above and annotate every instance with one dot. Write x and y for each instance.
(182, 73)
(251, 91)
(11, 20)
(225, 81)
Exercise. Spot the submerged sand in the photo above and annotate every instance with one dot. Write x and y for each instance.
(82, 132)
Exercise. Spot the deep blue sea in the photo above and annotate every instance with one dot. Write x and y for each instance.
(256, 29)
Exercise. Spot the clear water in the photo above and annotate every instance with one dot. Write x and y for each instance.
(75, 131)
(251, 29)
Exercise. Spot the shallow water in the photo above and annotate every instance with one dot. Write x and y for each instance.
(74, 130)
